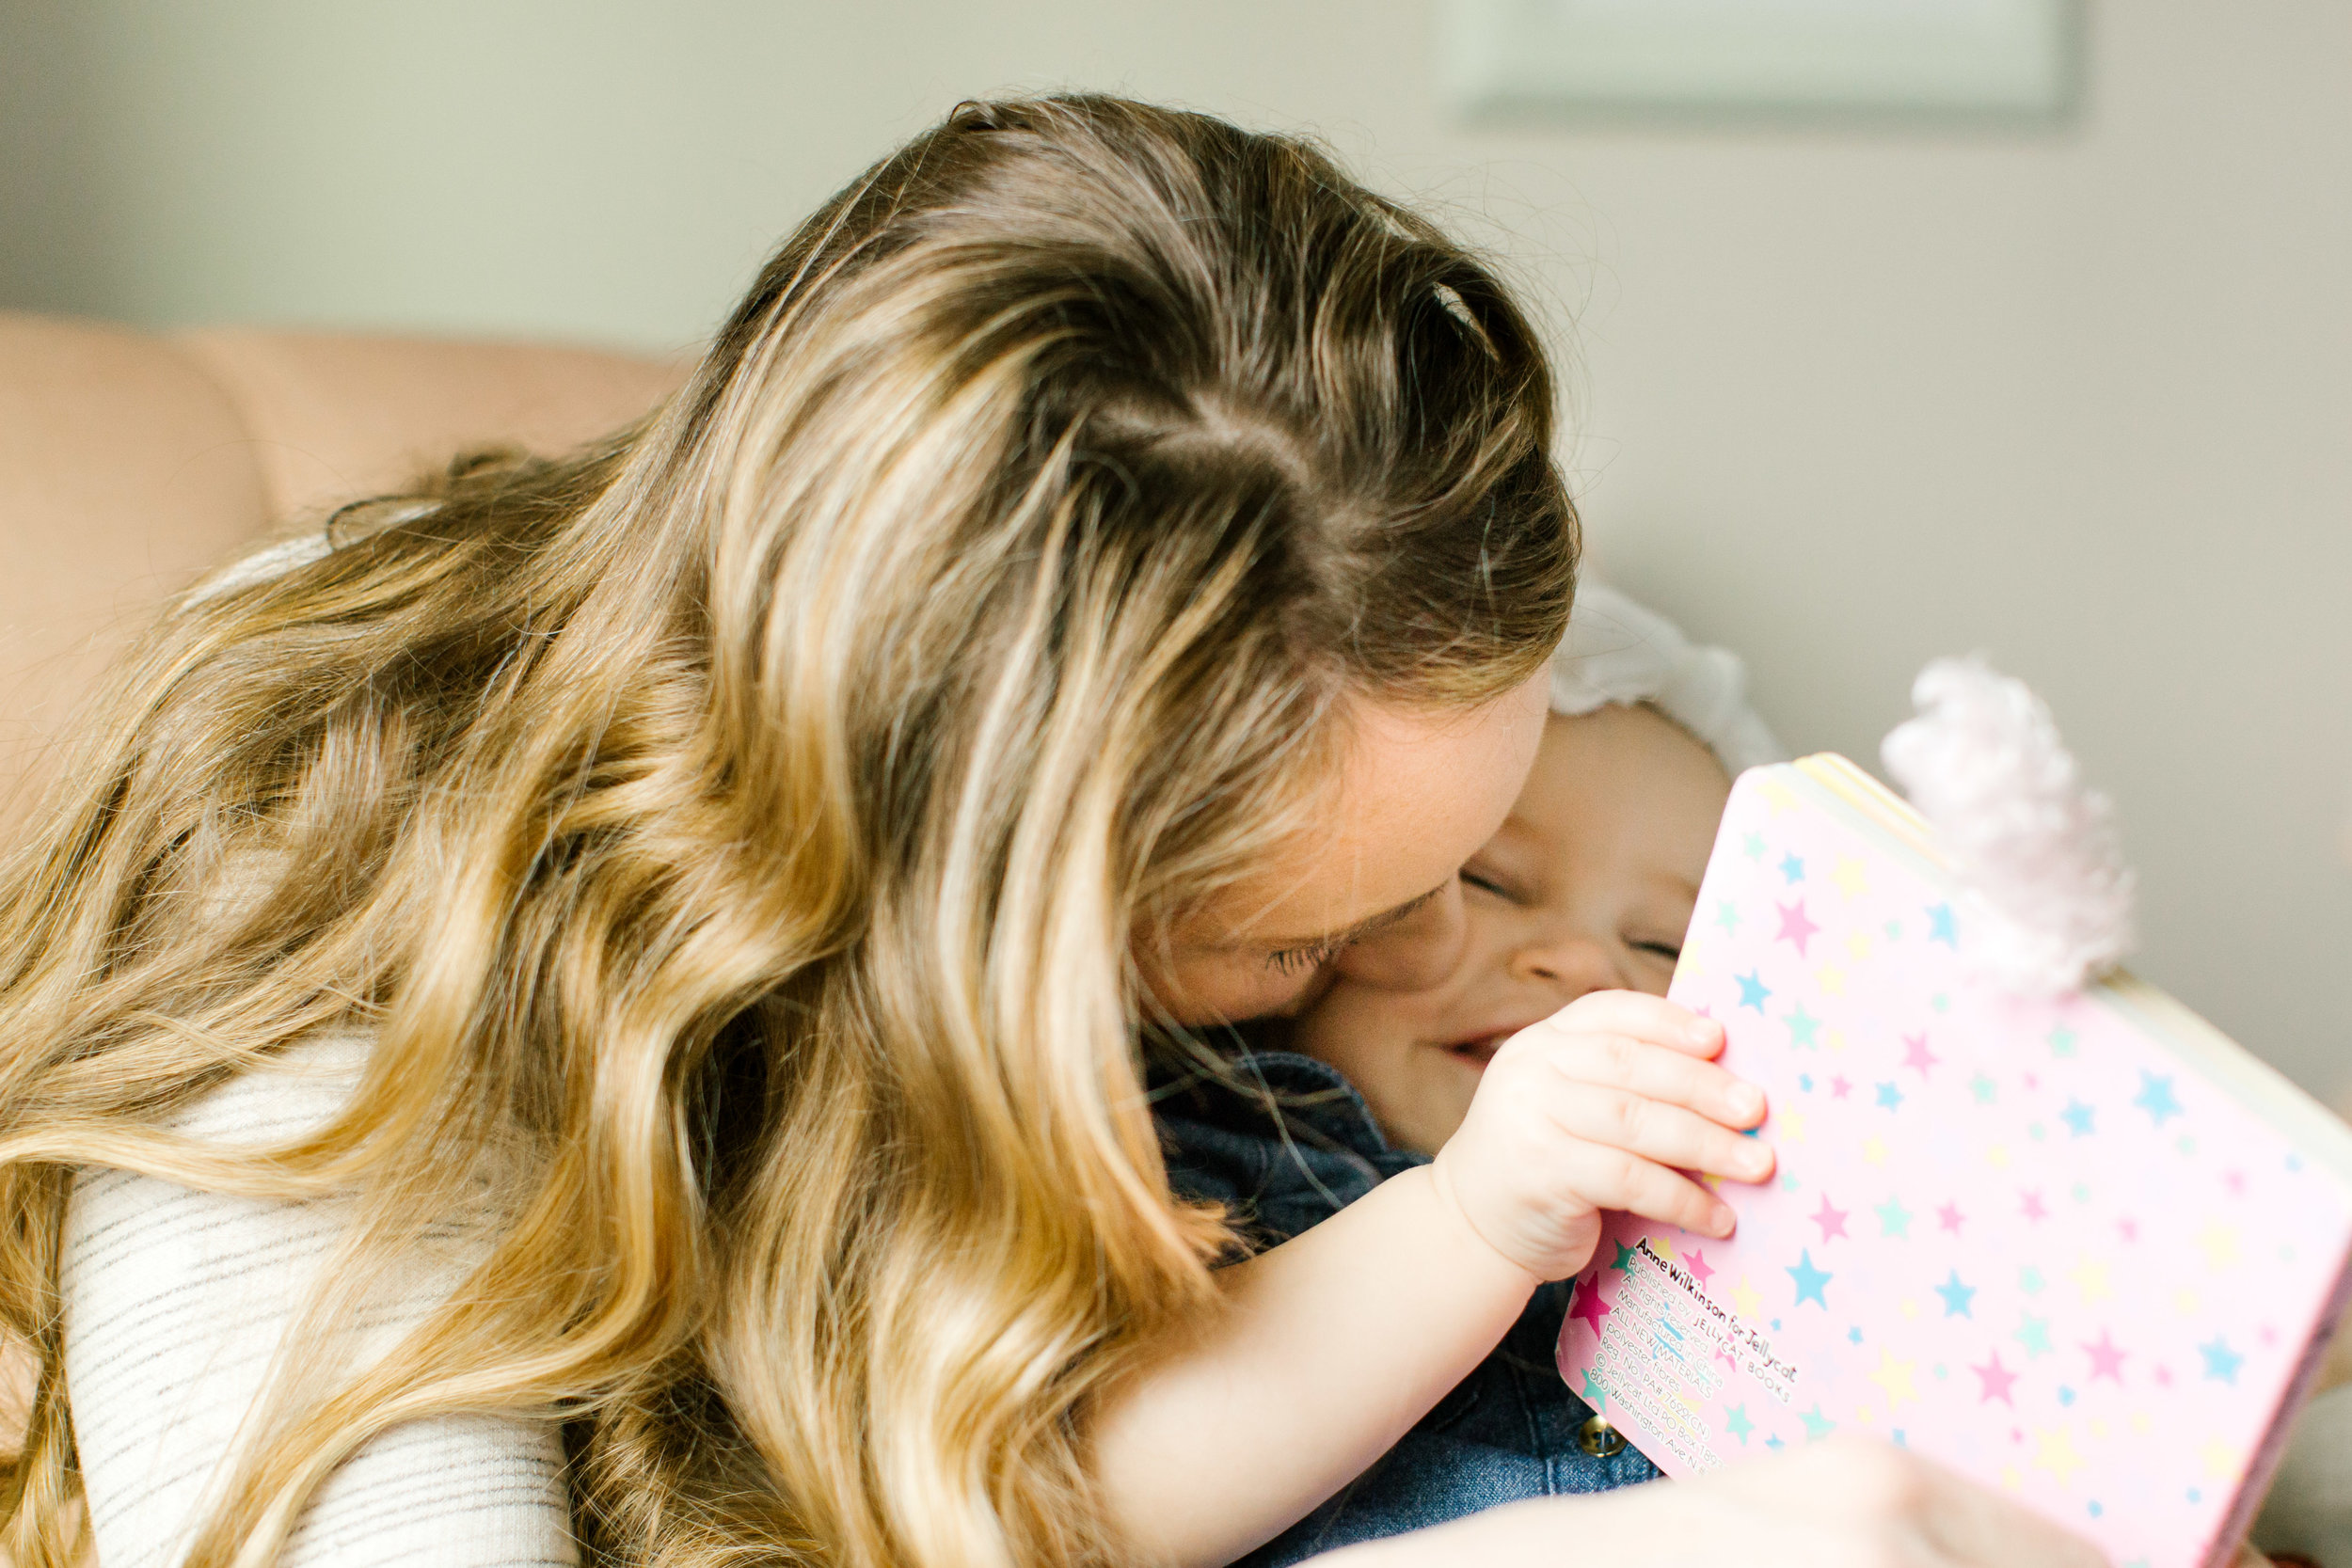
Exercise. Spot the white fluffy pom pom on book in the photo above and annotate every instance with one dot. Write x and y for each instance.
(2034, 847)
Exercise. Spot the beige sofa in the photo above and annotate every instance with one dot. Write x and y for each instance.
(129, 463)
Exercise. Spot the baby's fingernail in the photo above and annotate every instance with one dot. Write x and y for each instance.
(1704, 1031)
(1724, 1220)
(1747, 1100)
(1755, 1163)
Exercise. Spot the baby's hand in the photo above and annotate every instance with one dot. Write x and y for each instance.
(1602, 1106)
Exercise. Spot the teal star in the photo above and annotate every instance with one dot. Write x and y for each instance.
(1791, 868)
(1893, 1219)
(1753, 991)
(1594, 1395)
(2061, 1041)
(1755, 847)
(1957, 1296)
(1982, 1087)
(1940, 927)
(2077, 1118)
(1890, 1095)
(1800, 1027)
(1623, 1262)
(2156, 1097)
(1727, 914)
(2034, 1334)
(2221, 1362)
(1737, 1423)
(1817, 1426)
(2029, 1280)
(1809, 1280)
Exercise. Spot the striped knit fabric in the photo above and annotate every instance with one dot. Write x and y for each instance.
(177, 1301)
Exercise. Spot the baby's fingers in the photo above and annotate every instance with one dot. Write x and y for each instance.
(1613, 1179)
(1657, 1131)
(1639, 1016)
(1637, 1067)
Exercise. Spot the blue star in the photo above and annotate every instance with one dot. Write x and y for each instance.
(1940, 925)
(1775, 1443)
(2077, 1118)
(1800, 1027)
(2156, 1097)
(1889, 1096)
(1853, 1335)
(1817, 1426)
(1809, 1280)
(2221, 1362)
(1753, 991)
(1791, 868)
(1737, 1423)
(1956, 1296)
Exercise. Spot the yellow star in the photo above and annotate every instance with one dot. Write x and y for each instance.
(2185, 1303)
(2143, 1422)
(1910, 1309)
(2011, 1478)
(1874, 1150)
(1895, 1377)
(1862, 1416)
(1691, 966)
(1850, 877)
(1832, 980)
(2055, 1452)
(1664, 1249)
(1790, 1126)
(1998, 1156)
(2220, 1243)
(2090, 1278)
(1743, 1297)
(1777, 795)
(2099, 1429)
(2222, 1460)
(1837, 1039)
(1859, 946)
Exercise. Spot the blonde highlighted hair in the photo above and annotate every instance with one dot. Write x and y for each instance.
(734, 838)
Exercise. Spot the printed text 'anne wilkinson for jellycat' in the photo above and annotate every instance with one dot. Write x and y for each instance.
(1665, 1371)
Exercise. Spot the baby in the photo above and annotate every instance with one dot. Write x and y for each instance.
(1587, 888)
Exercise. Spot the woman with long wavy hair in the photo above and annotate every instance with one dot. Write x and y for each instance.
(595, 1009)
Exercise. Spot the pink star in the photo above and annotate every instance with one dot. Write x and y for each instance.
(2031, 1207)
(1589, 1305)
(2164, 1377)
(1831, 1219)
(1701, 1270)
(1916, 1053)
(1704, 1012)
(1949, 1218)
(2105, 1360)
(2129, 1228)
(1840, 1088)
(1794, 927)
(2031, 1081)
(2235, 1181)
(1992, 1382)
(1725, 1356)
(2269, 1335)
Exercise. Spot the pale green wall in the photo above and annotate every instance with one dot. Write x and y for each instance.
(1844, 400)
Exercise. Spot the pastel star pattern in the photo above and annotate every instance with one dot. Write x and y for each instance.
(1795, 930)
(1990, 1213)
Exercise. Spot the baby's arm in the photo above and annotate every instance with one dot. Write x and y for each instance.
(1330, 1346)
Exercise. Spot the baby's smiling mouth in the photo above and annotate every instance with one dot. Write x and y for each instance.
(1480, 1049)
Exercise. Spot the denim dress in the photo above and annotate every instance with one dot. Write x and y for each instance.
(1510, 1430)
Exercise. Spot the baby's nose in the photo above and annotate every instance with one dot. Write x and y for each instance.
(1569, 964)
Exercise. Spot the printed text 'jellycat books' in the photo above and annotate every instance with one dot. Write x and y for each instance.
(2083, 1250)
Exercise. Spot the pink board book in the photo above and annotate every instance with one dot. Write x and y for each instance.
(2085, 1251)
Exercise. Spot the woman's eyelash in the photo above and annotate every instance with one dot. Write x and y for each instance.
(1486, 884)
(1290, 961)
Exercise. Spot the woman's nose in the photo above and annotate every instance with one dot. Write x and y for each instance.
(1569, 964)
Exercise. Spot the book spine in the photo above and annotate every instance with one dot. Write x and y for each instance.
(2222, 1550)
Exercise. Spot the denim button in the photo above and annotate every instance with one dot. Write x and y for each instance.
(1600, 1439)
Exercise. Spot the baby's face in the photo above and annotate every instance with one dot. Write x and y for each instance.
(1588, 886)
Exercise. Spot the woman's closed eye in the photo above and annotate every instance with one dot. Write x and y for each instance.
(1295, 960)
(1490, 882)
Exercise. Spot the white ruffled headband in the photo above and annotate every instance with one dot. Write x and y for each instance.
(1617, 651)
